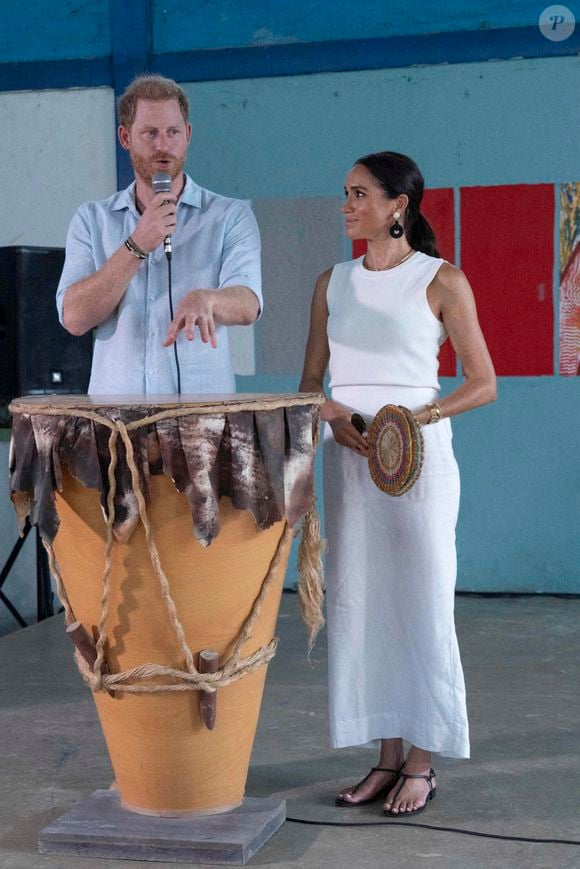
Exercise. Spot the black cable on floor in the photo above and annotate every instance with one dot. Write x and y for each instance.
(433, 827)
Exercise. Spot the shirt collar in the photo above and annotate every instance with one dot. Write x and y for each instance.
(191, 195)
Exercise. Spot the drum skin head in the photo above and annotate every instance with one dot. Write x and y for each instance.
(396, 449)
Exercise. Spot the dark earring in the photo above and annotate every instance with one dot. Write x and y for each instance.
(396, 230)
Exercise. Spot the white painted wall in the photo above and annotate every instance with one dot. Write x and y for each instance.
(57, 150)
(242, 349)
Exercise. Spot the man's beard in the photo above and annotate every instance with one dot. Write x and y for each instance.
(144, 166)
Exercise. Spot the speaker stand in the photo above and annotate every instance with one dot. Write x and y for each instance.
(44, 596)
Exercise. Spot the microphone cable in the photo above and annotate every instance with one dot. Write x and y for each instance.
(170, 294)
(465, 832)
(161, 183)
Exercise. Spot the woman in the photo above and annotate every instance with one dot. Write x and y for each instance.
(378, 322)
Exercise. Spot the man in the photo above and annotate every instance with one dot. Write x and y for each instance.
(115, 277)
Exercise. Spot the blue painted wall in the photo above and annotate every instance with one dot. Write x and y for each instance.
(180, 25)
(271, 133)
(101, 43)
(481, 123)
(465, 124)
(67, 29)
(518, 528)
(54, 30)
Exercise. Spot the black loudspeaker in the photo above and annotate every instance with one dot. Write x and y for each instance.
(37, 355)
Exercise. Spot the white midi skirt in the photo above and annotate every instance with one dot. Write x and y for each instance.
(394, 665)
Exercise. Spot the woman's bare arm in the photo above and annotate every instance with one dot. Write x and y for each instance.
(315, 364)
(451, 299)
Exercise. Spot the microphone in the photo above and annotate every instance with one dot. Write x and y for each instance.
(161, 183)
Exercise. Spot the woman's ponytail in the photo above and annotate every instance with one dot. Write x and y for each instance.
(419, 233)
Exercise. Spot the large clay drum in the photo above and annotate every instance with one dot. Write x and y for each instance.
(168, 526)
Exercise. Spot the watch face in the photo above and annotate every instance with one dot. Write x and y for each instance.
(435, 412)
(358, 422)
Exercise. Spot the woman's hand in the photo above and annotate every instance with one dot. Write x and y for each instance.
(345, 434)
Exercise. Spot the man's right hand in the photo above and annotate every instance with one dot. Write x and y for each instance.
(157, 221)
(89, 302)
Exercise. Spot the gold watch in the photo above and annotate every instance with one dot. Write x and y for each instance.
(436, 414)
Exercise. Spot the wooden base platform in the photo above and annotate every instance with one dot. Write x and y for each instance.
(100, 827)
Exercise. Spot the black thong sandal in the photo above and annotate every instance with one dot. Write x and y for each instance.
(431, 795)
(339, 801)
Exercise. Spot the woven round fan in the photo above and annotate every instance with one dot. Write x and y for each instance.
(396, 449)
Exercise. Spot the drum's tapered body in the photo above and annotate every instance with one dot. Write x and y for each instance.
(165, 759)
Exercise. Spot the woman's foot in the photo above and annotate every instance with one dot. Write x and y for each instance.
(372, 787)
(380, 779)
(411, 794)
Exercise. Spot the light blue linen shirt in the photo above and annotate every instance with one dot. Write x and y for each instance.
(216, 244)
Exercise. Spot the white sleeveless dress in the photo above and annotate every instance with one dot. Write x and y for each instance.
(394, 666)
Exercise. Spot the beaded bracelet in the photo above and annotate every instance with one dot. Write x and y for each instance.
(134, 248)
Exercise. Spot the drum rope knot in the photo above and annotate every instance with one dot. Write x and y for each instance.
(155, 678)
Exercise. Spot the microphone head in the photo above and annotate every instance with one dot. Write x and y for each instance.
(161, 182)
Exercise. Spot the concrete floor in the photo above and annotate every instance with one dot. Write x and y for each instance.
(521, 658)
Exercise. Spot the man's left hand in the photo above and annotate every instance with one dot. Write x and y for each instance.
(195, 309)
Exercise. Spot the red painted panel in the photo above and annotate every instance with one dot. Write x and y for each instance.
(438, 208)
(507, 253)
